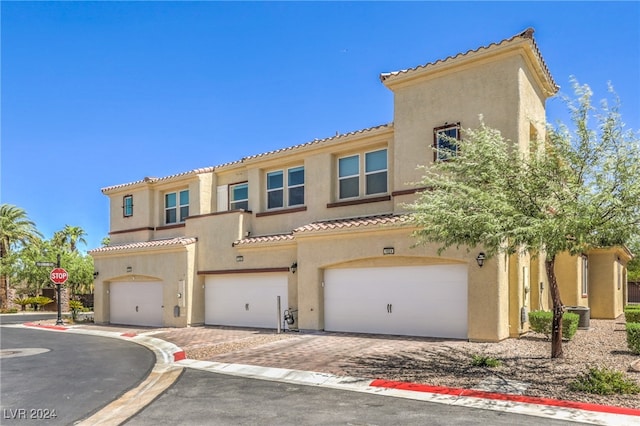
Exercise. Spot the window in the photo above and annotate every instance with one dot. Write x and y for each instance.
(127, 205)
(444, 141)
(375, 174)
(349, 176)
(285, 189)
(176, 205)
(585, 275)
(239, 196)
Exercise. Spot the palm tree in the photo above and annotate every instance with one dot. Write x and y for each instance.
(69, 237)
(15, 230)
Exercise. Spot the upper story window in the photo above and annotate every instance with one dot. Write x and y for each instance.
(352, 182)
(239, 196)
(285, 188)
(127, 205)
(176, 206)
(443, 141)
(585, 275)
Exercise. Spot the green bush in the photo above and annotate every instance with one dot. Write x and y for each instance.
(633, 337)
(9, 311)
(633, 307)
(604, 381)
(39, 301)
(23, 302)
(75, 306)
(542, 322)
(632, 313)
(485, 361)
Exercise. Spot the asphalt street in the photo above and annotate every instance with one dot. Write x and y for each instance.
(58, 378)
(205, 398)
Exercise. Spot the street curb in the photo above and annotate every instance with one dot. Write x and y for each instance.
(516, 404)
(164, 373)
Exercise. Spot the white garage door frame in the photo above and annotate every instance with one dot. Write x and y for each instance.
(245, 300)
(136, 303)
(429, 301)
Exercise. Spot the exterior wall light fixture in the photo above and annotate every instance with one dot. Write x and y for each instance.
(95, 274)
(388, 250)
(294, 267)
(480, 259)
(129, 269)
(239, 258)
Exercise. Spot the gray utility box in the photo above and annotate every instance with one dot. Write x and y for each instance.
(585, 315)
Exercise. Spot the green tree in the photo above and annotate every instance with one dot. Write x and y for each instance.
(16, 230)
(69, 237)
(577, 190)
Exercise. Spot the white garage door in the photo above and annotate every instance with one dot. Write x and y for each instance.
(413, 300)
(245, 300)
(136, 303)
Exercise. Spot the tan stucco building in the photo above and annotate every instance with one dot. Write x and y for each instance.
(321, 227)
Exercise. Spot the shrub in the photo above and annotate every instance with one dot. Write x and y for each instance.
(632, 314)
(23, 302)
(39, 301)
(485, 361)
(9, 311)
(604, 381)
(633, 337)
(542, 322)
(75, 306)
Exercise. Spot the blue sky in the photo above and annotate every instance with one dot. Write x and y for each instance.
(96, 94)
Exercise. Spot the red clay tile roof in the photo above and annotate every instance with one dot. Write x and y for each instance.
(155, 179)
(356, 222)
(526, 34)
(251, 157)
(263, 239)
(145, 244)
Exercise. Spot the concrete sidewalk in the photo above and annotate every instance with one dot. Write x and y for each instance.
(322, 359)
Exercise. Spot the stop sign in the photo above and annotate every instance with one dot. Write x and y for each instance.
(59, 276)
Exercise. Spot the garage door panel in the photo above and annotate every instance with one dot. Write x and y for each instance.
(247, 300)
(136, 303)
(415, 300)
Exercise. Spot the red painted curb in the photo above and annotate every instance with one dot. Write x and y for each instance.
(179, 356)
(504, 397)
(51, 327)
(129, 334)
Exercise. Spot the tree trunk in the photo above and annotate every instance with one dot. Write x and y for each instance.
(4, 281)
(556, 332)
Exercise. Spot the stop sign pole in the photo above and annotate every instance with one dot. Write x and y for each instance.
(59, 276)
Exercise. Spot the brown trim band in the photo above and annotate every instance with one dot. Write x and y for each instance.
(124, 231)
(360, 201)
(243, 271)
(197, 216)
(282, 211)
(408, 191)
(177, 225)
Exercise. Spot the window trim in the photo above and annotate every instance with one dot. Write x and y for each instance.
(178, 207)
(436, 139)
(362, 176)
(385, 171)
(125, 211)
(230, 196)
(285, 188)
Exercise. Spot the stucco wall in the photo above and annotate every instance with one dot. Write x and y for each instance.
(487, 286)
(166, 266)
